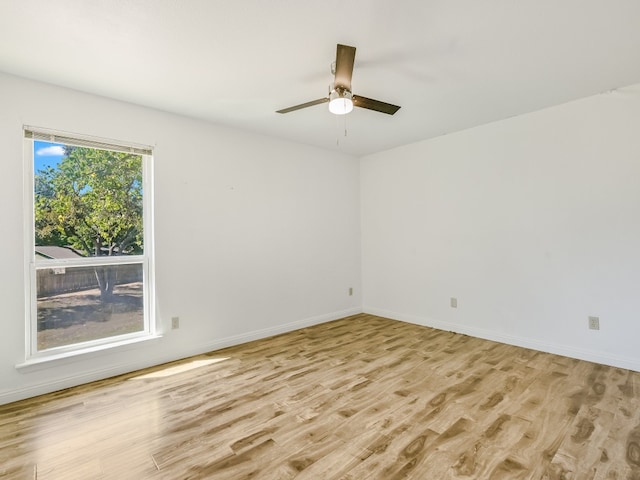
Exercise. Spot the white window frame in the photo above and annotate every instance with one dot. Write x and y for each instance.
(32, 354)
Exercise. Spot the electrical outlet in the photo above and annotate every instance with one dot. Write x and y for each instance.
(454, 302)
(175, 323)
(594, 323)
(350, 291)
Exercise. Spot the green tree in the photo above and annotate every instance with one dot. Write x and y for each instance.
(92, 202)
(45, 227)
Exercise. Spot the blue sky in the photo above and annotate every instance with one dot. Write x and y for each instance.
(46, 154)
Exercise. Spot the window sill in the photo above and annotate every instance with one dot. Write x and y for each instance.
(54, 360)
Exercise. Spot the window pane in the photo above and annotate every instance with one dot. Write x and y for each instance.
(87, 202)
(79, 304)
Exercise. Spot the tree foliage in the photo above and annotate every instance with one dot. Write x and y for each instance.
(92, 202)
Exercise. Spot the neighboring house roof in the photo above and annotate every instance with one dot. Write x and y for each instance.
(55, 252)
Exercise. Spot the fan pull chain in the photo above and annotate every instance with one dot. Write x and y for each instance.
(344, 117)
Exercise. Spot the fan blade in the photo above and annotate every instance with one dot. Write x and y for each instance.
(377, 105)
(345, 57)
(304, 105)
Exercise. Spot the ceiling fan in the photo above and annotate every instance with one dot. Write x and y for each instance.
(340, 98)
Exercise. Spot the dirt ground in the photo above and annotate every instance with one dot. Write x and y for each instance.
(80, 316)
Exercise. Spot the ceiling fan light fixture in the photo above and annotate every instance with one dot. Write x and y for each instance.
(340, 98)
(340, 101)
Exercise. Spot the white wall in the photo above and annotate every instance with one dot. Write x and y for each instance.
(533, 223)
(254, 236)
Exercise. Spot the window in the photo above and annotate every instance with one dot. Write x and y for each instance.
(89, 243)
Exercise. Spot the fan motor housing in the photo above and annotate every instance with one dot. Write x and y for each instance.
(340, 101)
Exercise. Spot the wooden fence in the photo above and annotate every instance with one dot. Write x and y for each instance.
(54, 281)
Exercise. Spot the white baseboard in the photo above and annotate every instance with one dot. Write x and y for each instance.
(61, 383)
(112, 369)
(558, 349)
(269, 332)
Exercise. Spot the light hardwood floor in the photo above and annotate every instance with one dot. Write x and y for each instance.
(359, 398)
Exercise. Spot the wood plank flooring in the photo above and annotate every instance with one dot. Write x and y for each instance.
(360, 398)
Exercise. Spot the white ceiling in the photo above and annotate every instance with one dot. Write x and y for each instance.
(450, 64)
